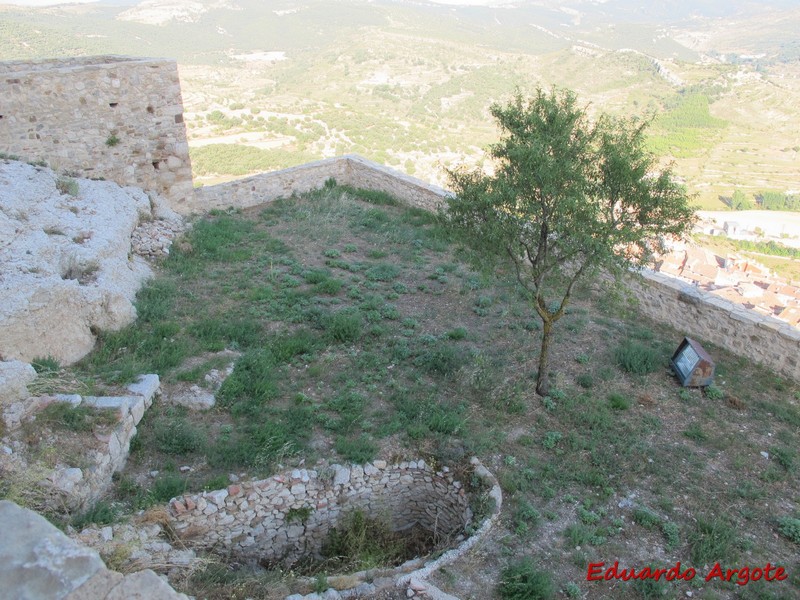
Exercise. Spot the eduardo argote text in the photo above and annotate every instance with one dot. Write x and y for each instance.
(741, 576)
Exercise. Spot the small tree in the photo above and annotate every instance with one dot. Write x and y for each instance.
(568, 198)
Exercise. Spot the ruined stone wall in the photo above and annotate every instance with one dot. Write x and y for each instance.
(290, 515)
(111, 117)
(349, 170)
(707, 317)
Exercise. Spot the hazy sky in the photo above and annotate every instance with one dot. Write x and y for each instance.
(43, 2)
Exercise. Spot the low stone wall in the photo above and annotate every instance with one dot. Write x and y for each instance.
(763, 339)
(106, 453)
(287, 516)
(349, 170)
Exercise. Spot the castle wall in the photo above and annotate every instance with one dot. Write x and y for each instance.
(111, 117)
(346, 170)
(765, 340)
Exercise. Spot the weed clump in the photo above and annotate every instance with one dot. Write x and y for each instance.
(790, 528)
(637, 359)
(360, 542)
(522, 581)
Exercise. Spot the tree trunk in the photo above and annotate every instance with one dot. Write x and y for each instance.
(542, 379)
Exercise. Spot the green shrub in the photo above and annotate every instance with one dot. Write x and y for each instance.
(637, 358)
(523, 581)
(646, 518)
(168, 487)
(382, 272)
(618, 401)
(112, 140)
(585, 380)
(790, 528)
(712, 392)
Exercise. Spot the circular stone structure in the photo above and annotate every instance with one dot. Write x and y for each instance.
(288, 516)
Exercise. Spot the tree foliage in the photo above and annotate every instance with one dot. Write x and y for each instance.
(568, 197)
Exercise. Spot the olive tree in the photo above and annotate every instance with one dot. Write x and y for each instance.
(569, 197)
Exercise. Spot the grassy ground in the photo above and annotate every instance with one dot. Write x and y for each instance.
(364, 333)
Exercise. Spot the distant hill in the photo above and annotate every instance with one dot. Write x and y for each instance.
(409, 83)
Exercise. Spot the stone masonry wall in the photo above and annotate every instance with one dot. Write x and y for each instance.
(67, 112)
(290, 515)
(346, 170)
(763, 339)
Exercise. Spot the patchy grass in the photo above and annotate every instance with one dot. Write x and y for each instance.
(364, 333)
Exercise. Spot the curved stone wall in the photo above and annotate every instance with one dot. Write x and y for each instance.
(290, 515)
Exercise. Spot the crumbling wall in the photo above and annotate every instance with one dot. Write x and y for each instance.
(111, 117)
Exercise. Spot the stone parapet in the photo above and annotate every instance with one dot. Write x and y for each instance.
(762, 339)
(349, 170)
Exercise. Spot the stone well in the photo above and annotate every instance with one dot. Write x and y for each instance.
(290, 515)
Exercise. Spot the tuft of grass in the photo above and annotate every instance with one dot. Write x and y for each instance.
(345, 326)
(521, 580)
(695, 433)
(711, 541)
(67, 186)
(359, 542)
(441, 358)
(168, 487)
(177, 436)
(382, 272)
(102, 513)
(253, 380)
(646, 518)
(637, 358)
(46, 364)
(63, 415)
(358, 450)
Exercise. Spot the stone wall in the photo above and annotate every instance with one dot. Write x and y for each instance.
(290, 515)
(68, 112)
(349, 170)
(707, 317)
